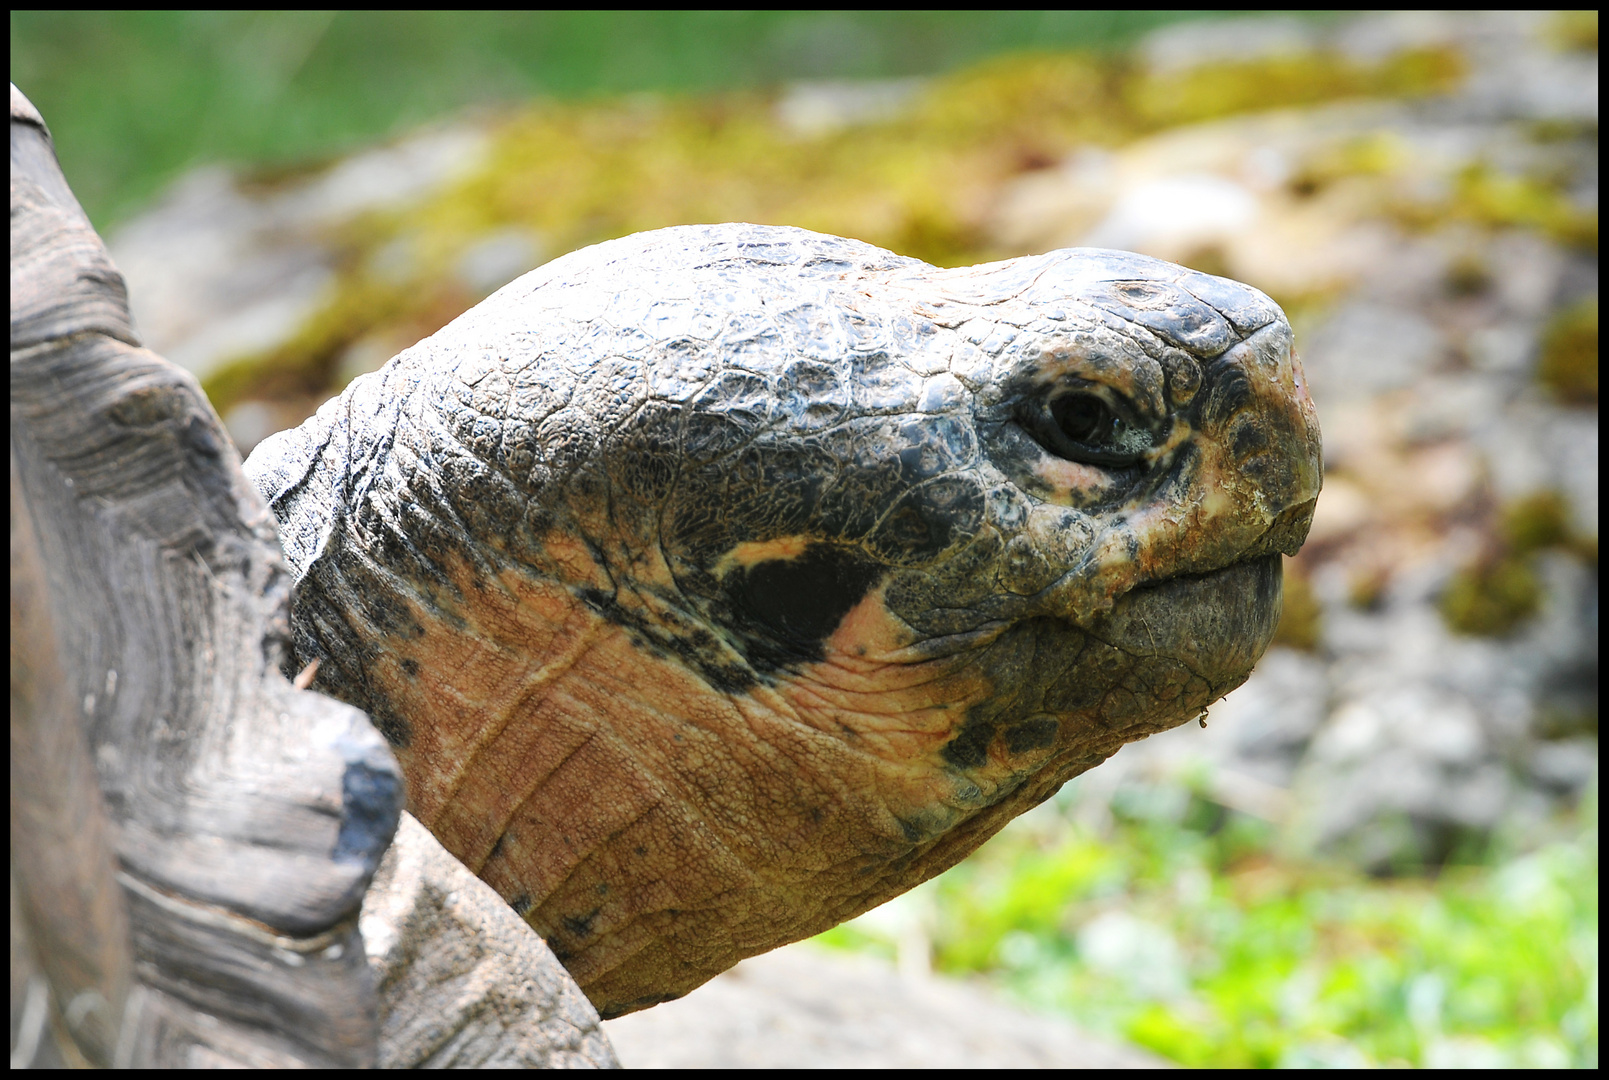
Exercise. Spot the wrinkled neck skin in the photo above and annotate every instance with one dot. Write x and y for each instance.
(737, 651)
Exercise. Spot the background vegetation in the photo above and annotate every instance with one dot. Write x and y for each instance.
(1182, 926)
(135, 97)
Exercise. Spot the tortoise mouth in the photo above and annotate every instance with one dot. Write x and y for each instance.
(1218, 624)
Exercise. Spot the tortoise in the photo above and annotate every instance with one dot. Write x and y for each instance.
(715, 584)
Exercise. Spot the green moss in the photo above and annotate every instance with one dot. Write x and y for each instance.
(1491, 598)
(1561, 721)
(1501, 200)
(1211, 91)
(1568, 365)
(1301, 614)
(1377, 153)
(920, 183)
(917, 183)
(1574, 31)
(1497, 592)
(1536, 522)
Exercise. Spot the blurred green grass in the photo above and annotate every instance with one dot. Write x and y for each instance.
(135, 97)
(1183, 928)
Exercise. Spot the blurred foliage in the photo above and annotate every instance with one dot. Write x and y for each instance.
(1366, 587)
(1468, 275)
(916, 183)
(1496, 199)
(1500, 589)
(1480, 194)
(1568, 365)
(1538, 521)
(135, 97)
(1182, 929)
(1575, 31)
(1491, 597)
(1377, 153)
(1225, 89)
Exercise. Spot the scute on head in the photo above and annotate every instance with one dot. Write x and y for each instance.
(730, 580)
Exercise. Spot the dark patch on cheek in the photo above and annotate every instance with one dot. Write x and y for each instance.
(1031, 735)
(694, 646)
(970, 747)
(410, 667)
(801, 601)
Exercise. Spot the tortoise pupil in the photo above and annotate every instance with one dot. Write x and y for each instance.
(1081, 417)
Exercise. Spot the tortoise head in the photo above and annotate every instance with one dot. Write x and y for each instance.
(717, 584)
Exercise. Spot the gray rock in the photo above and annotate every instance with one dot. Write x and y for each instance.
(498, 258)
(821, 107)
(1193, 44)
(1369, 348)
(802, 1007)
(1538, 446)
(213, 275)
(217, 271)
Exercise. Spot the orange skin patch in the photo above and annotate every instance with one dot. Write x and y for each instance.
(1064, 475)
(753, 552)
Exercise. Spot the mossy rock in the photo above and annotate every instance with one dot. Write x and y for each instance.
(1574, 31)
(1297, 79)
(1493, 598)
(1536, 522)
(1568, 365)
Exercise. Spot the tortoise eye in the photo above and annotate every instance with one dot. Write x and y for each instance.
(1083, 427)
(1083, 418)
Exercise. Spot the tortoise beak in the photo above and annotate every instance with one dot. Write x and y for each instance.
(1291, 476)
(1274, 460)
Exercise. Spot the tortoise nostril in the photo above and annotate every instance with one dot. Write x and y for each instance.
(1249, 439)
(1288, 531)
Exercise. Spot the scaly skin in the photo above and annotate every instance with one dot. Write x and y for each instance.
(717, 584)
